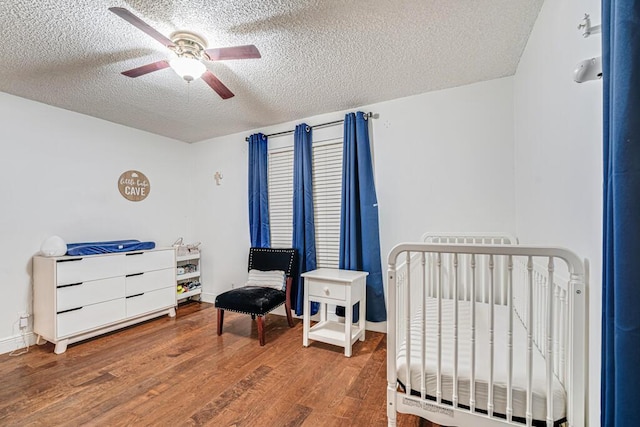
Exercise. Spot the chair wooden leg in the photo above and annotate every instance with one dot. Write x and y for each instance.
(287, 308)
(220, 320)
(261, 329)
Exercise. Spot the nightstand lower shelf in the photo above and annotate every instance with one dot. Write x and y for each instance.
(332, 332)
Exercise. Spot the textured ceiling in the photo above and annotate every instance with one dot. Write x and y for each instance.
(317, 56)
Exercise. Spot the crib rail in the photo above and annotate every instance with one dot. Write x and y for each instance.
(541, 288)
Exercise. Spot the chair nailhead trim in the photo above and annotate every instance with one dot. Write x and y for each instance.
(253, 314)
(291, 252)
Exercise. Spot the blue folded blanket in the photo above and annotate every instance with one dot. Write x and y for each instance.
(93, 248)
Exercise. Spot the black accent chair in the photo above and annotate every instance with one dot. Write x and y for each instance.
(258, 301)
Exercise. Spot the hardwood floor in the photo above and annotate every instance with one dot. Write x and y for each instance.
(177, 372)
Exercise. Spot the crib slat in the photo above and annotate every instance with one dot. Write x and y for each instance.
(455, 330)
(549, 343)
(528, 413)
(510, 339)
(439, 329)
(407, 320)
(563, 335)
(491, 332)
(423, 335)
(472, 385)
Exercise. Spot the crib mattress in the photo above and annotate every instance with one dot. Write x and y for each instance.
(519, 385)
(93, 248)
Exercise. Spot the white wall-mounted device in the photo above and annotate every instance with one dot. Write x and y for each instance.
(589, 69)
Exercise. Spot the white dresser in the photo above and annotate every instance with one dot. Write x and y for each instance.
(79, 297)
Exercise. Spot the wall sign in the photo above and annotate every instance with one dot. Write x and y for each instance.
(134, 186)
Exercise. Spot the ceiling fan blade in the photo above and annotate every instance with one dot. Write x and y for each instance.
(236, 52)
(146, 69)
(141, 25)
(217, 85)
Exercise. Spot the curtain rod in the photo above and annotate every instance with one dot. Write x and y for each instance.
(321, 125)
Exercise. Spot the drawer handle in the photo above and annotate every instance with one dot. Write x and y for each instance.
(136, 295)
(69, 260)
(134, 274)
(326, 290)
(133, 253)
(71, 309)
(69, 285)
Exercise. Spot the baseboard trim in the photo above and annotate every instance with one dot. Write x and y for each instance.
(10, 344)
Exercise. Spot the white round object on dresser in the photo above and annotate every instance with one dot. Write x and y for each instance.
(53, 246)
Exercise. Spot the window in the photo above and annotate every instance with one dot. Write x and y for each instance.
(327, 188)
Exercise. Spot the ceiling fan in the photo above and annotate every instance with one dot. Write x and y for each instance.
(191, 50)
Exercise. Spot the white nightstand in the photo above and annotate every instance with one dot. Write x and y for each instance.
(339, 287)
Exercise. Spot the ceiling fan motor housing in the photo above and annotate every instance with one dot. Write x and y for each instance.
(188, 45)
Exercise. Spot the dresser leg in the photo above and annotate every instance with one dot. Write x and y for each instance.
(172, 312)
(40, 340)
(61, 347)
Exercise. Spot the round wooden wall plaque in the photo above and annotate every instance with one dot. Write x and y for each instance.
(134, 185)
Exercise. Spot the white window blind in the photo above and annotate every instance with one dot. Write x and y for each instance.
(327, 188)
(327, 191)
(280, 176)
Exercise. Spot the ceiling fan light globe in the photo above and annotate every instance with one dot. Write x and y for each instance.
(188, 68)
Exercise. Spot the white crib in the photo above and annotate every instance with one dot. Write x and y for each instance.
(486, 332)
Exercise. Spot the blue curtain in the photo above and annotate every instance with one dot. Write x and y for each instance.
(258, 195)
(359, 230)
(621, 216)
(304, 234)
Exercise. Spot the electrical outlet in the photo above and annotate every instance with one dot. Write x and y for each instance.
(233, 286)
(24, 320)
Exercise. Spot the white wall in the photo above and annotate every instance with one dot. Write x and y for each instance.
(558, 152)
(443, 162)
(59, 173)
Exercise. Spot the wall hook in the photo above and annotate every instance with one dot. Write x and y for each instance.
(217, 177)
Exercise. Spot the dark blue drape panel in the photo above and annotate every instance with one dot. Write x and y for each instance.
(621, 216)
(359, 230)
(258, 194)
(304, 232)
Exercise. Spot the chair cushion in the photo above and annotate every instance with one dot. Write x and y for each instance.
(267, 279)
(251, 300)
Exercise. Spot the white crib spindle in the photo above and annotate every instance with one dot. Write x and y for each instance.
(439, 329)
(549, 344)
(556, 328)
(491, 332)
(407, 320)
(563, 335)
(510, 339)
(472, 385)
(455, 331)
(528, 412)
(423, 336)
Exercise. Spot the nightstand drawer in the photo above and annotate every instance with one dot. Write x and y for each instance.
(320, 288)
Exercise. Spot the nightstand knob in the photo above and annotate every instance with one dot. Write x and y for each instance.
(326, 290)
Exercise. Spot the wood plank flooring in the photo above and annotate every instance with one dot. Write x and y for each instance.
(178, 372)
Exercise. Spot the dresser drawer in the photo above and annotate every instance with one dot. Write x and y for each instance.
(150, 301)
(320, 288)
(149, 281)
(90, 316)
(137, 262)
(86, 293)
(76, 270)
